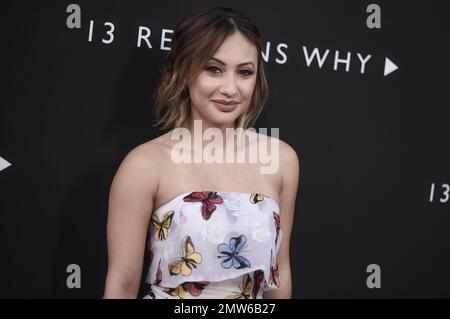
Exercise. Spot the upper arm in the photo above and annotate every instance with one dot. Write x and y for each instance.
(130, 205)
(290, 171)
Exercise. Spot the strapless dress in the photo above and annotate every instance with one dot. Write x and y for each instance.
(214, 245)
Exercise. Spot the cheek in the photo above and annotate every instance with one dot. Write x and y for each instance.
(248, 89)
(204, 87)
(249, 85)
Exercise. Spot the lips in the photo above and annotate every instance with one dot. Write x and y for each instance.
(225, 106)
(226, 102)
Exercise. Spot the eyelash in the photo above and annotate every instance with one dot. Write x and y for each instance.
(209, 68)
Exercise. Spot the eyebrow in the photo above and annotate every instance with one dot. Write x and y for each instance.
(223, 63)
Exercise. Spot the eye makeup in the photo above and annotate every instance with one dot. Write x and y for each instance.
(245, 72)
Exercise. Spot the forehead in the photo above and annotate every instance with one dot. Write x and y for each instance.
(237, 49)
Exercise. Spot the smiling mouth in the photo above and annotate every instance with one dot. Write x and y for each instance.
(225, 102)
(226, 107)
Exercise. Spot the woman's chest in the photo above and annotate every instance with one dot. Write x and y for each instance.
(238, 177)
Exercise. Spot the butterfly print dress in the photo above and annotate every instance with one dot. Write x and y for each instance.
(216, 245)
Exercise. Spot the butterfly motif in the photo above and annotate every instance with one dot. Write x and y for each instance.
(185, 263)
(158, 274)
(231, 252)
(246, 289)
(255, 197)
(162, 227)
(276, 217)
(274, 276)
(194, 288)
(208, 200)
(258, 277)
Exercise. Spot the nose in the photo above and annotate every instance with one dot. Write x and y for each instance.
(229, 85)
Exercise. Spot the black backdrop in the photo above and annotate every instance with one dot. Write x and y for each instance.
(373, 149)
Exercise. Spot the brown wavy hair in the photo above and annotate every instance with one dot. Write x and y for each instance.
(195, 40)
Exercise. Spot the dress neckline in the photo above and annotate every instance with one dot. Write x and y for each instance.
(187, 193)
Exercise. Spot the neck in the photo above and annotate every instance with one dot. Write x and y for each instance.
(197, 130)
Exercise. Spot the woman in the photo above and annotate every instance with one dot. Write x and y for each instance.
(215, 230)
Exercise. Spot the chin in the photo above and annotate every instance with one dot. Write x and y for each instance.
(230, 116)
(224, 121)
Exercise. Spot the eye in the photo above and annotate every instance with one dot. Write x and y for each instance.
(244, 72)
(247, 72)
(212, 68)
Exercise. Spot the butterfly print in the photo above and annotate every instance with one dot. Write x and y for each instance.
(194, 288)
(231, 253)
(276, 217)
(245, 289)
(158, 274)
(208, 200)
(258, 277)
(274, 276)
(255, 197)
(162, 227)
(190, 257)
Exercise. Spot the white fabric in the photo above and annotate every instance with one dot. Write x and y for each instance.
(230, 289)
(236, 217)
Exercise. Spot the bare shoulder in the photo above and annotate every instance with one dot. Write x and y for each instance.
(287, 154)
(289, 163)
(153, 151)
(142, 165)
(147, 155)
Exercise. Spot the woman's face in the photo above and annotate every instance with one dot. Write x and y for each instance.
(232, 80)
